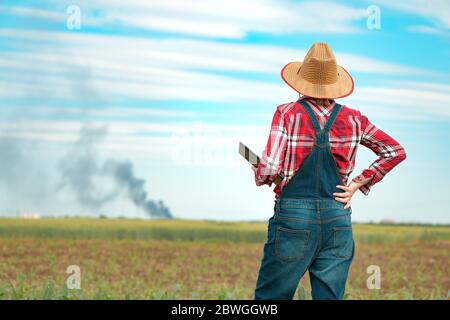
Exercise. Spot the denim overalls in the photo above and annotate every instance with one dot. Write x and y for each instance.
(309, 229)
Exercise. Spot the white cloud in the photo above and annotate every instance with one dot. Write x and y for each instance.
(113, 127)
(404, 100)
(426, 30)
(206, 88)
(176, 53)
(437, 11)
(232, 19)
(112, 112)
(80, 64)
(168, 69)
(33, 13)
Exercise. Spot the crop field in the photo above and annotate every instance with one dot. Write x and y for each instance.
(178, 259)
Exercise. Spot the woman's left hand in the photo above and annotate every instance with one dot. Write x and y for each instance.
(346, 196)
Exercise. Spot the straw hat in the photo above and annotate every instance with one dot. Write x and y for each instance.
(318, 76)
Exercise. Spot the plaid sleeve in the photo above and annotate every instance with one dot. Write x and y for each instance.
(272, 158)
(390, 153)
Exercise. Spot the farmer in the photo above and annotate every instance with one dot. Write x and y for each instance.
(312, 146)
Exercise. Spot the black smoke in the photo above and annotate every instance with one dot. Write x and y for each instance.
(123, 173)
(95, 183)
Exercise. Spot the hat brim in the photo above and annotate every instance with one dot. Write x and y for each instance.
(340, 89)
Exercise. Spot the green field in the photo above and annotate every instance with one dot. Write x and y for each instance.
(182, 259)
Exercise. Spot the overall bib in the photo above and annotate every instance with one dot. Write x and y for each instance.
(309, 229)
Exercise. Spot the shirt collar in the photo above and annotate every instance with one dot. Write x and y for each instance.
(319, 109)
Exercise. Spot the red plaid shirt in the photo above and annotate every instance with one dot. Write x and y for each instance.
(292, 138)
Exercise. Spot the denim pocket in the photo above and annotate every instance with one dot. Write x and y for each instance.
(342, 242)
(291, 244)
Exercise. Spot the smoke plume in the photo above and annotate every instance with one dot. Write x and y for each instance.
(123, 173)
(95, 183)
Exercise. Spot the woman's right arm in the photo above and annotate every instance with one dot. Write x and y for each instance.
(390, 153)
(270, 166)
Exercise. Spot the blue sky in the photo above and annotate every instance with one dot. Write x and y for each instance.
(173, 86)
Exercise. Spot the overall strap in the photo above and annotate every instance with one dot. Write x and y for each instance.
(333, 116)
(313, 118)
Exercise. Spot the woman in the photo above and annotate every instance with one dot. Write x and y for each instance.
(312, 147)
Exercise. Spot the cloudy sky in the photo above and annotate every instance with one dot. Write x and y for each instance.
(166, 89)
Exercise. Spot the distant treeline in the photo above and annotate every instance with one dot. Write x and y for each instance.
(195, 230)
